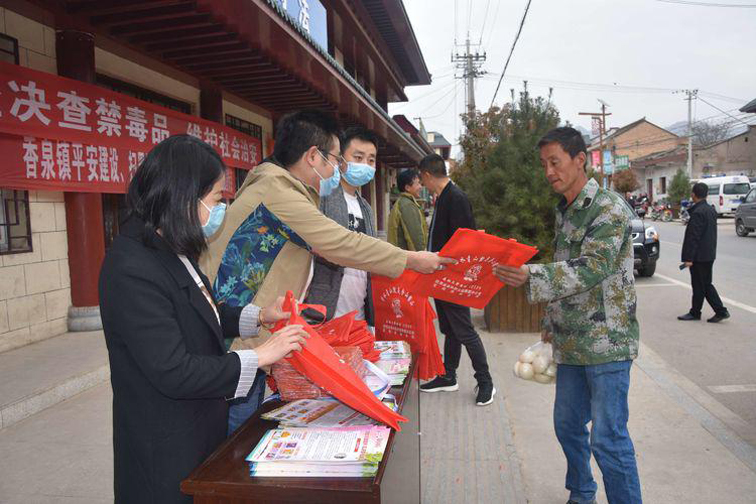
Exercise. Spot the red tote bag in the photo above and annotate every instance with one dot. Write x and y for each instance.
(471, 281)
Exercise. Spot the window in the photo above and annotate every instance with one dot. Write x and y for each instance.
(248, 128)
(15, 225)
(143, 94)
(8, 49)
(751, 196)
(713, 189)
(663, 181)
(741, 188)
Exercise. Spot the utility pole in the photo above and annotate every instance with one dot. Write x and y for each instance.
(602, 131)
(469, 64)
(691, 95)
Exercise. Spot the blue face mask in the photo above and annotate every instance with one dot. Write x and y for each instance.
(327, 185)
(359, 174)
(215, 219)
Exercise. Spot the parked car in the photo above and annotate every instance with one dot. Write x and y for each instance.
(725, 192)
(745, 215)
(646, 246)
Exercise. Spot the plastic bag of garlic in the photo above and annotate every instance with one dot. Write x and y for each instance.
(536, 364)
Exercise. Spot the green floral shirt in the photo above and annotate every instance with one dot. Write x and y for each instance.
(590, 289)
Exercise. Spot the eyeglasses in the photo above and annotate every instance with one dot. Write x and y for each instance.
(342, 163)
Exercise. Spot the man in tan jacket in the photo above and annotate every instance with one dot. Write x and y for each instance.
(265, 245)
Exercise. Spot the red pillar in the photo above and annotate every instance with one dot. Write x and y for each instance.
(84, 222)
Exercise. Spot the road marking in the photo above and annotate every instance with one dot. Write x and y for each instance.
(728, 389)
(728, 301)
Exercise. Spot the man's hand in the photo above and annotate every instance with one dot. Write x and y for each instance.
(688, 264)
(427, 262)
(512, 276)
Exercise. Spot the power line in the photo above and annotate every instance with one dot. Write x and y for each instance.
(429, 107)
(493, 24)
(714, 106)
(485, 17)
(708, 4)
(511, 51)
(447, 106)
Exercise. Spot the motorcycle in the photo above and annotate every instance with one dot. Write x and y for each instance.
(684, 214)
(661, 211)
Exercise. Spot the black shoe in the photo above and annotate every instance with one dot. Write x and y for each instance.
(719, 317)
(440, 384)
(486, 393)
(576, 502)
(688, 316)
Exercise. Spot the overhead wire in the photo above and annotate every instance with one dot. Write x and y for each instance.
(511, 51)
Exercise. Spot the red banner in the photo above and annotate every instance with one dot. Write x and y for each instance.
(65, 135)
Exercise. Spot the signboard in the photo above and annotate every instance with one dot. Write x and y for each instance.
(595, 159)
(608, 167)
(595, 126)
(59, 134)
(621, 162)
(311, 16)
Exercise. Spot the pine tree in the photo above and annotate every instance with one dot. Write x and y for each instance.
(502, 173)
(679, 188)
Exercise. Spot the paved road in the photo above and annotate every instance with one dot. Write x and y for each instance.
(717, 357)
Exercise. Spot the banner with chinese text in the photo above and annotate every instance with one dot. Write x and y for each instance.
(60, 134)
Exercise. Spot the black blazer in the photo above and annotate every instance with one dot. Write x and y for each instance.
(169, 368)
(453, 211)
(700, 243)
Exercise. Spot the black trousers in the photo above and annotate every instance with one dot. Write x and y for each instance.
(456, 324)
(700, 279)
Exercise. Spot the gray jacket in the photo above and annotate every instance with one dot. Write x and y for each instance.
(326, 280)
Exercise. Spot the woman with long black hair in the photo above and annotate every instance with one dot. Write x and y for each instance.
(170, 371)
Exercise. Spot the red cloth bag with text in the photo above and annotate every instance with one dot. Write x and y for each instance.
(402, 315)
(319, 362)
(471, 281)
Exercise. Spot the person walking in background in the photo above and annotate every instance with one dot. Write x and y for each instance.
(590, 320)
(407, 227)
(169, 369)
(453, 211)
(343, 290)
(699, 251)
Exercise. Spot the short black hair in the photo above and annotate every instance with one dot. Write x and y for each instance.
(405, 178)
(433, 164)
(167, 187)
(700, 190)
(359, 133)
(569, 138)
(298, 131)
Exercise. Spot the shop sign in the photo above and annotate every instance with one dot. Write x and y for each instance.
(622, 162)
(311, 16)
(608, 167)
(59, 134)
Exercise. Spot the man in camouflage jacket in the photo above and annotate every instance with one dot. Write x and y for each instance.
(590, 319)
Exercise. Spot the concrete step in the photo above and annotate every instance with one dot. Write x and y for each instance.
(41, 375)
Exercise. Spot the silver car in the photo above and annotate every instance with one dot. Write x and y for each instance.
(745, 215)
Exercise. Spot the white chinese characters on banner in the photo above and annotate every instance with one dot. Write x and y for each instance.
(75, 111)
(159, 128)
(136, 123)
(49, 160)
(34, 102)
(108, 117)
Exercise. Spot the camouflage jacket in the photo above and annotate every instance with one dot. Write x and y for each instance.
(590, 289)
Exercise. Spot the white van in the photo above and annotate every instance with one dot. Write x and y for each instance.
(725, 192)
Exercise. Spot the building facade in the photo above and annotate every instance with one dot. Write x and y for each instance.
(222, 69)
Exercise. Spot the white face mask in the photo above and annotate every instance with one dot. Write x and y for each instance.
(327, 185)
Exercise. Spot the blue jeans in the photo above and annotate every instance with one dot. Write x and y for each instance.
(596, 394)
(244, 407)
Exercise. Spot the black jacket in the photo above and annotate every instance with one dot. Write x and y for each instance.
(700, 243)
(453, 211)
(169, 368)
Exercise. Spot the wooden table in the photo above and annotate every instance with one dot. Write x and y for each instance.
(224, 476)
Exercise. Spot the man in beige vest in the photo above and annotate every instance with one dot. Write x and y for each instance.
(271, 231)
